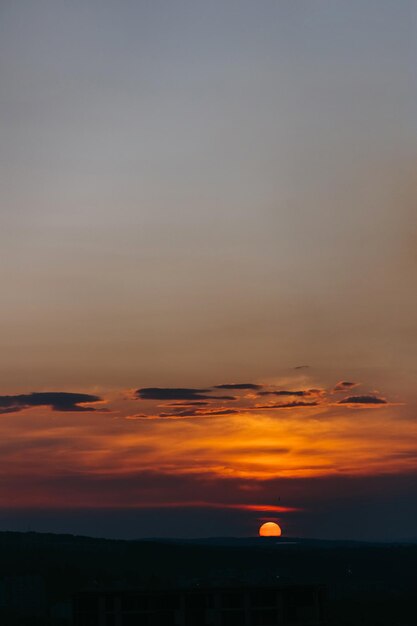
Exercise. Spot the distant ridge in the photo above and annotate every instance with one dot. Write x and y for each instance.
(249, 542)
(268, 542)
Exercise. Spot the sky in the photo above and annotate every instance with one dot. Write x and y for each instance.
(208, 242)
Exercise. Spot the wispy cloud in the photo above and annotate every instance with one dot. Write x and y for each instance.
(198, 413)
(284, 392)
(288, 405)
(190, 402)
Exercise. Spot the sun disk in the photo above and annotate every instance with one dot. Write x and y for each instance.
(270, 529)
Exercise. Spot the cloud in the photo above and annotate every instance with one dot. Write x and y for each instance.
(257, 450)
(238, 386)
(288, 405)
(199, 413)
(301, 367)
(57, 400)
(184, 404)
(177, 393)
(284, 393)
(362, 400)
(344, 385)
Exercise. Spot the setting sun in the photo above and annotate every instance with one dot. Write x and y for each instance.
(270, 529)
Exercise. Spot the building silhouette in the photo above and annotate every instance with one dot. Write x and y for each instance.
(285, 605)
(23, 595)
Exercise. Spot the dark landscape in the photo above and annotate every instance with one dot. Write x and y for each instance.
(365, 584)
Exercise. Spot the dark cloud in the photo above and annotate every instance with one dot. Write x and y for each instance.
(301, 367)
(284, 393)
(186, 404)
(343, 385)
(177, 393)
(239, 386)
(288, 405)
(362, 400)
(57, 400)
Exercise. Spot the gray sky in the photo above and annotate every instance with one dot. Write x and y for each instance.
(223, 182)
